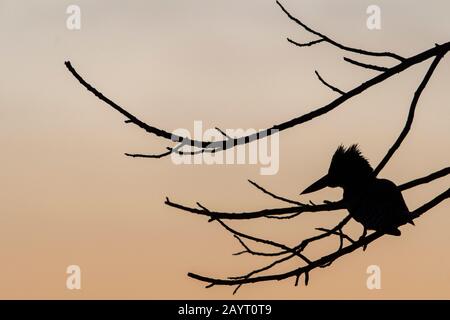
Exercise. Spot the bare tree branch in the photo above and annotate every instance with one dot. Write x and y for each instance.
(296, 210)
(251, 251)
(410, 119)
(307, 44)
(337, 230)
(264, 241)
(327, 84)
(339, 233)
(226, 144)
(365, 65)
(274, 195)
(285, 252)
(321, 261)
(139, 155)
(433, 176)
(336, 44)
(223, 133)
(331, 206)
(284, 217)
(299, 248)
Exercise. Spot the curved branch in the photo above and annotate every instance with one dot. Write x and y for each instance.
(299, 248)
(365, 65)
(258, 214)
(296, 210)
(307, 44)
(410, 118)
(306, 242)
(321, 261)
(226, 144)
(327, 84)
(336, 44)
(153, 156)
(200, 146)
(274, 195)
(433, 176)
(264, 241)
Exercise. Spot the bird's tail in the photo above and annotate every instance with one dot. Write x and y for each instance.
(410, 220)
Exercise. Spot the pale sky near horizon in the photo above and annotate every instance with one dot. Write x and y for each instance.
(70, 196)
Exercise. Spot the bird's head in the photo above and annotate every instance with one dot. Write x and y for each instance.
(348, 167)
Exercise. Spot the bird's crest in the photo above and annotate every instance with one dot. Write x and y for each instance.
(350, 158)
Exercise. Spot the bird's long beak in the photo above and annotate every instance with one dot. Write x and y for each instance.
(319, 184)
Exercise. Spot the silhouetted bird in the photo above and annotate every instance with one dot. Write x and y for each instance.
(376, 203)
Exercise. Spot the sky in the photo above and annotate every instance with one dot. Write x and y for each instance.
(69, 195)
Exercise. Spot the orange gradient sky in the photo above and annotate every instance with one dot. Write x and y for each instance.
(70, 196)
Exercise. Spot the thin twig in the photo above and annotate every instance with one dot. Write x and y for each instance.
(336, 44)
(327, 84)
(284, 217)
(264, 241)
(223, 133)
(307, 44)
(274, 195)
(338, 232)
(365, 65)
(261, 213)
(296, 210)
(226, 144)
(139, 155)
(251, 251)
(410, 119)
(321, 261)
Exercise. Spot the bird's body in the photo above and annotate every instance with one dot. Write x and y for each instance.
(377, 204)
